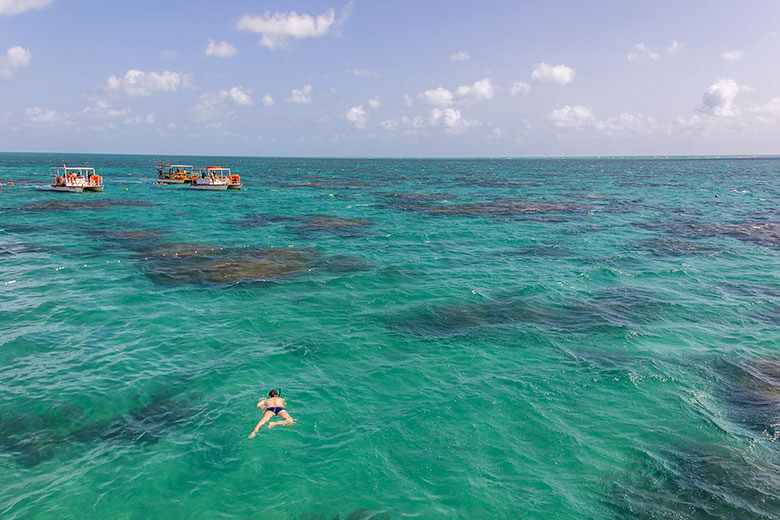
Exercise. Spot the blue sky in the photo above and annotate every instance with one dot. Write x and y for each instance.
(402, 78)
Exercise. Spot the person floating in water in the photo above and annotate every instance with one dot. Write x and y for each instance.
(274, 405)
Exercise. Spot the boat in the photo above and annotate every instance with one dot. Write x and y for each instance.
(212, 178)
(75, 179)
(234, 181)
(175, 174)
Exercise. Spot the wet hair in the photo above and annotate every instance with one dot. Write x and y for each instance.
(273, 393)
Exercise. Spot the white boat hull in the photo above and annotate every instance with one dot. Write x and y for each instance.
(234, 186)
(93, 188)
(71, 189)
(171, 181)
(209, 187)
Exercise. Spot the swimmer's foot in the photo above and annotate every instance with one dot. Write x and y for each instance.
(272, 425)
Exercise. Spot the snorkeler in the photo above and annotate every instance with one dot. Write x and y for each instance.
(274, 405)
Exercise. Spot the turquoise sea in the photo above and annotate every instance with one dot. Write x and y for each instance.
(594, 338)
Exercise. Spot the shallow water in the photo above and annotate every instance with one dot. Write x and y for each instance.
(531, 338)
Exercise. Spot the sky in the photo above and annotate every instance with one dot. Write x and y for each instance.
(360, 78)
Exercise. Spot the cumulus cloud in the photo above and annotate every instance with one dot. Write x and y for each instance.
(168, 54)
(277, 29)
(268, 100)
(215, 105)
(439, 96)
(579, 116)
(639, 50)
(460, 56)
(556, 74)
(363, 73)
(137, 83)
(408, 100)
(572, 116)
(40, 115)
(733, 55)
(718, 99)
(479, 91)
(220, 50)
(374, 102)
(768, 113)
(15, 58)
(12, 7)
(301, 96)
(451, 120)
(673, 48)
(442, 97)
(357, 116)
(518, 87)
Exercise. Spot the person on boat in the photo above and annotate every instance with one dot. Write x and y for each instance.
(273, 405)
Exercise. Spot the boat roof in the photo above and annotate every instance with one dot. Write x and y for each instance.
(72, 168)
(174, 166)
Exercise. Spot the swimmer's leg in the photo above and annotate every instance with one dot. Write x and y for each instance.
(266, 417)
(286, 422)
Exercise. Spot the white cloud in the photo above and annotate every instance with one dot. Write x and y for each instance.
(579, 116)
(439, 96)
(733, 55)
(673, 48)
(408, 101)
(148, 119)
(363, 73)
(238, 95)
(15, 58)
(389, 124)
(139, 83)
(357, 116)
(496, 133)
(557, 74)
(215, 105)
(12, 7)
(718, 99)
(276, 29)
(460, 56)
(268, 100)
(442, 97)
(639, 50)
(41, 115)
(479, 91)
(374, 102)
(102, 110)
(301, 96)
(220, 50)
(518, 87)
(573, 116)
(167, 53)
(451, 119)
(768, 113)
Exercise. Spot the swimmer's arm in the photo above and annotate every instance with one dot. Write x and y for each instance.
(261, 403)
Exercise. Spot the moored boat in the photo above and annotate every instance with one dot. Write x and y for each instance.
(75, 179)
(175, 174)
(234, 181)
(212, 178)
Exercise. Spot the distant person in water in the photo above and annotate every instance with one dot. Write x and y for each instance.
(274, 405)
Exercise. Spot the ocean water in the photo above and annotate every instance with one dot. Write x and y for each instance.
(495, 338)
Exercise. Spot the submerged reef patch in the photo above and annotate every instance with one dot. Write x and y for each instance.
(695, 480)
(206, 264)
(77, 205)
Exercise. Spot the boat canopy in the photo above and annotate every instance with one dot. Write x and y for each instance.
(71, 169)
(174, 166)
